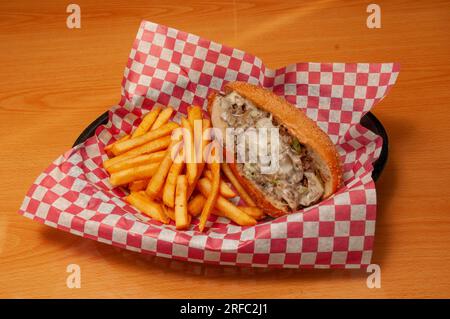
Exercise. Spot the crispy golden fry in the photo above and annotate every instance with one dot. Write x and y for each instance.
(194, 113)
(224, 189)
(137, 161)
(133, 174)
(153, 146)
(196, 204)
(195, 118)
(163, 208)
(212, 196)
(169, 212)
(156, 184)
(164, 130)
(218, 213)
(138, 185)
(201, 165)
(168, 196)
(109, 146)
(225, 207)
(181, 214)
(222, 214)
(239, 188)
(114, 160)
(148, 207)
(163, 118)
(147, 122)
(256, 212)
(158, 197)
(164, 216)
(188, 140)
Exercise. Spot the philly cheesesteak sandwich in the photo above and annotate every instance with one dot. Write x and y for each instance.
(309, 168)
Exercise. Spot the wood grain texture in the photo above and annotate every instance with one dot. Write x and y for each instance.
(55, 81)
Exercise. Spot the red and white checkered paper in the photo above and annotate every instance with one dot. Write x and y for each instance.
(176, 68)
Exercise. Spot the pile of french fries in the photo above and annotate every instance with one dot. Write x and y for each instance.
(168, 178)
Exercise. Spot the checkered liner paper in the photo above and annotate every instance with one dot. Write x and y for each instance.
(176, 68)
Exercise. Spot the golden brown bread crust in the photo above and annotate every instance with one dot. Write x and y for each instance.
(298, 125)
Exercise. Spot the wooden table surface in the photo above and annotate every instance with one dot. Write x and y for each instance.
(55, 81)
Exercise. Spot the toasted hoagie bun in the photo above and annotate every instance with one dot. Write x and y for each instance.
(310, 168)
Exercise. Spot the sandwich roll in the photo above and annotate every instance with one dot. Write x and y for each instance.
(309, 168)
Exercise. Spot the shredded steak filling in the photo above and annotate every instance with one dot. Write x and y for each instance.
(297, 183)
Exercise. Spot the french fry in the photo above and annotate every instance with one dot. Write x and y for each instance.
(168, 196)
(188, 140)
(169, 212)
(133, 174)
(147, 122)
(151, 147)
(256, 212)
(225, 207)
(138, 185)
(196, 204)
(109, 146)
(137, 161)
(206, 138)
(194, 114)
(239, 188)
(224, 189)
(157, 182)
(218, 213)
(164, 130)
(148, 207)
(162, 118)
(163, 208)
(181, 214)
(206, 124)
(221, 214)
(212, 196)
